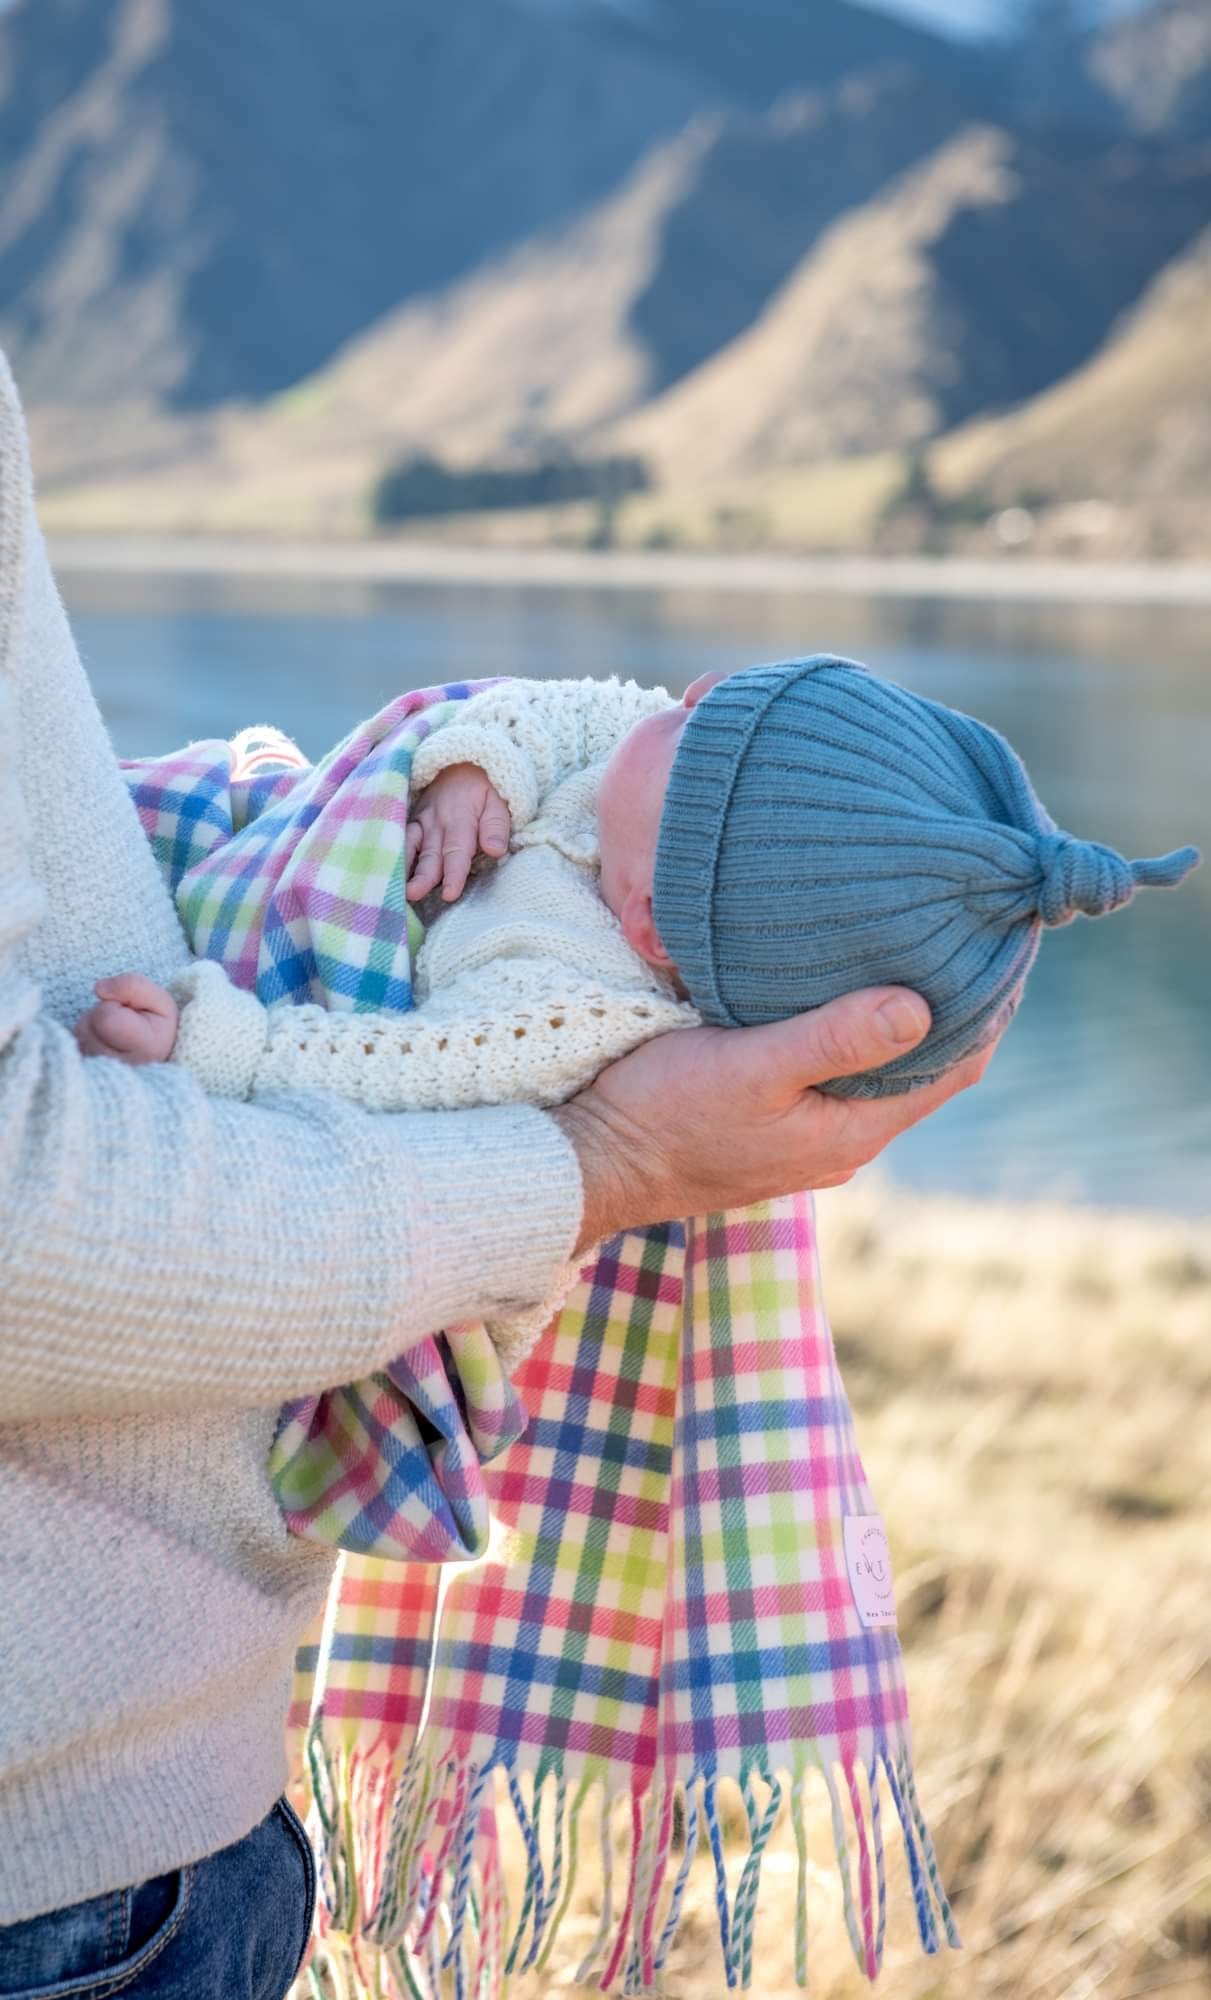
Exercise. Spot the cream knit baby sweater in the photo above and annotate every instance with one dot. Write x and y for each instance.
(525, 989)
(171, 1270)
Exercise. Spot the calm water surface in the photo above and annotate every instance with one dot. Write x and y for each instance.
(1102, 1091)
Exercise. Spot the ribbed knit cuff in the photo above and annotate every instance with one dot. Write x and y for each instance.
(222, 1034)
(493, 752)
(515, 1335)
(495, 1211)
(697, 814)
(694, 817)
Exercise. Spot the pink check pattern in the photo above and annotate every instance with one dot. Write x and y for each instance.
(293, 877)
(659, 1601)
(665, 1607)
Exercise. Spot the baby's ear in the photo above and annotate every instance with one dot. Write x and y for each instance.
(639, 928)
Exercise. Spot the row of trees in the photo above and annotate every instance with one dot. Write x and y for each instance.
(421, 487)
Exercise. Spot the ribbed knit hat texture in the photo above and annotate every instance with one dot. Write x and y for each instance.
(825, 830)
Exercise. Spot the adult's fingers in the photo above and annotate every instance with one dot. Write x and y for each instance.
(866, 1125)
(858, 1032)
(783, 1065)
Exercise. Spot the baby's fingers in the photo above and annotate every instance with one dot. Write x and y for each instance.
(495, 825)
(131, 989)
(86, 1037)
(424, 856)
(459, 843)
(109, 1029)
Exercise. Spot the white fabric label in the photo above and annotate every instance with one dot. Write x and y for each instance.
(868, 1560)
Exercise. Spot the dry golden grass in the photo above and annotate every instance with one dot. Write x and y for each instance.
(1033, 1397)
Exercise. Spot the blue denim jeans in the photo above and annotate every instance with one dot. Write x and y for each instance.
(232, 1927)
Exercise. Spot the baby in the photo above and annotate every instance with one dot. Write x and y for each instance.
(777, 839)
(780, 837)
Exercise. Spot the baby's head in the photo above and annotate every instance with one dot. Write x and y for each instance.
(798, 831)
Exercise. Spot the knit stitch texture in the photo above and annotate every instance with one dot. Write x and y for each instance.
(172, 1270)
(825, 830)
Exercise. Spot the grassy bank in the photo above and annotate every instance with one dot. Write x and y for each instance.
(1033, 1397)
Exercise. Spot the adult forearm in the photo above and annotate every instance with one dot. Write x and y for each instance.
(161, 1251)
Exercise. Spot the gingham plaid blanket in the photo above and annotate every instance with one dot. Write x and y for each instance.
(685, 1581)
(292, 876)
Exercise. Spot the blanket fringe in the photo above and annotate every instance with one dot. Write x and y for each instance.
(440, 1924)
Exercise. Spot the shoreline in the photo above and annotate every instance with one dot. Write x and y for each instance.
(1008, 579)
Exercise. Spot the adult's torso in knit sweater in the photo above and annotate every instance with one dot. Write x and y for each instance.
(170, 1271)
(152, 1597)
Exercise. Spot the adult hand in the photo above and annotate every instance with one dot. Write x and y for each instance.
(717, 1118)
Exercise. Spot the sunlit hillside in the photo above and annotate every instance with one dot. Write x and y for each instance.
(1133, 427)
(824, 279)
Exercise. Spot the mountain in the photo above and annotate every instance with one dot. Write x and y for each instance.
(1146, 72)
(1155, 66)
(1131, 431)
(973, 282)
(766, 191)
(274, 254)
(753, 53)
(585, 324)
(209, 202)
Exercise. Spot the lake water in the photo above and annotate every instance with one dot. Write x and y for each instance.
(1102, 1091)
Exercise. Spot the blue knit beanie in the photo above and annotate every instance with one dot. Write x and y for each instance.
(825, 830)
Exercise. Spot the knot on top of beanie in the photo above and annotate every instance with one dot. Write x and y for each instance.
(1081, 877)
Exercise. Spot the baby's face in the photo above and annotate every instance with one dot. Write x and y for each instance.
(629, 806)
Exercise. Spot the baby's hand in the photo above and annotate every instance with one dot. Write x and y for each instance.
(459, 816)
(133, 1020)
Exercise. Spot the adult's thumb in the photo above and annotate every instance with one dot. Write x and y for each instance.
(858, 1032)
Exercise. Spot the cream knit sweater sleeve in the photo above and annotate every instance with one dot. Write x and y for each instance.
(528, 736)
